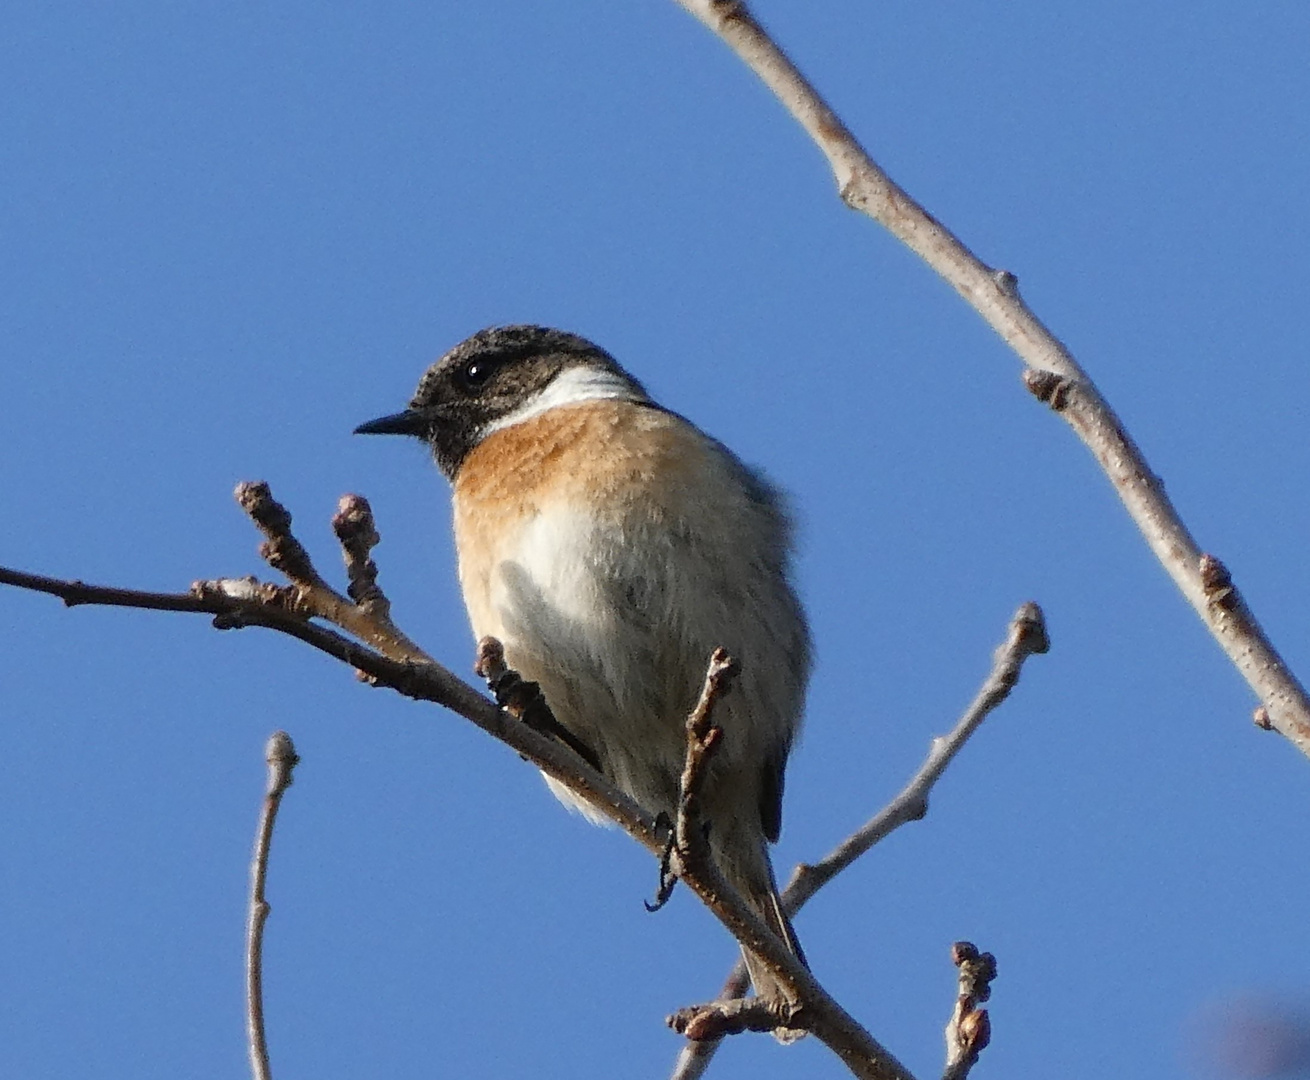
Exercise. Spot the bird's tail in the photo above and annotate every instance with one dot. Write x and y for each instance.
(758, 886)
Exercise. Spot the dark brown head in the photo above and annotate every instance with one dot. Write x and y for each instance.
(501, 376)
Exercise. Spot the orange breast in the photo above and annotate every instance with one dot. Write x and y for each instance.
(595, 456)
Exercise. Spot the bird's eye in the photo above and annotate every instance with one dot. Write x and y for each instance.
(475, 373)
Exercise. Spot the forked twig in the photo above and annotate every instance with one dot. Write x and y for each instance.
(369, 617)
(685, 839)
(804, 1004)
(1025, 636)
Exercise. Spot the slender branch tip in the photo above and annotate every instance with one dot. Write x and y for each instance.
(357, 533)
(280, 753)
(1030, 624)
(969, 1029)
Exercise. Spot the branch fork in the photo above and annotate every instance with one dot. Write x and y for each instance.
(362, 635)
(366, 615)
(686, 834)
(1026, 636)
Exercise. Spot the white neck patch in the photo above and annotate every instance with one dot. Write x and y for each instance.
(569, 387)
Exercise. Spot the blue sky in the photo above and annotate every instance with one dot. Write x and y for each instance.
(229, 234)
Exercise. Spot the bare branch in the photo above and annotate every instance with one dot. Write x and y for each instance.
(809, 1007)
(685, 840)
(697, 1053)
(805, 1005)
(246, 602)
(1025, 636)
(281, 756)
(970, 1028)
(370, 622)
(702, 739)
(76, 593)
(1053, 374)
(236, 603)
(242, 602)
(720, 1019)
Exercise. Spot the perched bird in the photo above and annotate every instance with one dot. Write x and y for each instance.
(611, 546)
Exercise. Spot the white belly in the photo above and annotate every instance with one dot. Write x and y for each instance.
(567, 603)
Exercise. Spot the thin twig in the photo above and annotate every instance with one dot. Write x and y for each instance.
(807, 1004)
(281, 756)
(242, 602)
(720, 1019)
(315, 597)
(77, 593)
(703, 739)
(804, 1004)
(685, 840)
(1025, 636)
(969, 1029)
(1053, 374)
(358, 536)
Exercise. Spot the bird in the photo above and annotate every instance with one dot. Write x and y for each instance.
(611, 546)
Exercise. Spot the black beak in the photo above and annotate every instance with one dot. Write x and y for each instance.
(408, 422)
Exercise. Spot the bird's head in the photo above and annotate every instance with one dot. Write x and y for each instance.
(498, 377)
